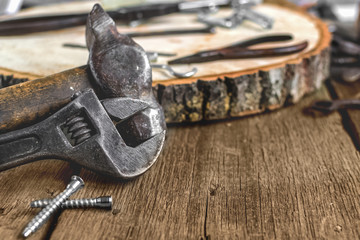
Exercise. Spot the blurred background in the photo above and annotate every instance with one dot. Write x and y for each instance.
(342, 17)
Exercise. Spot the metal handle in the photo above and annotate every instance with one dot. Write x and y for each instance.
(40, 24)
(16, 147)
(144, 11)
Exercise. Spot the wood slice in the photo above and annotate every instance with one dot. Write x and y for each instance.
(220, 89)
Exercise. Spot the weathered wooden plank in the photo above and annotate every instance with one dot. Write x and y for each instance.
(281, 175)
(21, 185)
(351, 117)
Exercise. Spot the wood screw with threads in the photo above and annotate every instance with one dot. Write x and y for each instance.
(101, 202)
(76, 184)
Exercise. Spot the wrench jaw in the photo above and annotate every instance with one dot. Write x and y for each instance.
(85, 133)
(107, 151)
(141, 126)
(121, 68)
(120, 137)
(119, 65)
(140, 158)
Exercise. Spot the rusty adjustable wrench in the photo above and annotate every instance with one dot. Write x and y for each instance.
(91, 133)
(117, 67)
(125, 131)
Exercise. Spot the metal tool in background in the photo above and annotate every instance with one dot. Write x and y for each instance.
(153, 57)
(345, 60)
(202, 30)
(240, 50)
(345, 46)
(329, 106)
(345, 55)
(241, 12)
(8, 7)
(133, 15)
(120, 135)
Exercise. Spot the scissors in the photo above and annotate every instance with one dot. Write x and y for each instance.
(240, 50)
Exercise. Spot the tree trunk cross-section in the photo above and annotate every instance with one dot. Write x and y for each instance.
(221, 89)
(245, 94)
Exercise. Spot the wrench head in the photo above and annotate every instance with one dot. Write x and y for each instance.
(118, 64)
(106, 149)
(122, 69)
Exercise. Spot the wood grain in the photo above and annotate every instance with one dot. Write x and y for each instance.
(21, 185)
(282, 175)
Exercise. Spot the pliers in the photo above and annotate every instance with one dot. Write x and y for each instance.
(240, 50)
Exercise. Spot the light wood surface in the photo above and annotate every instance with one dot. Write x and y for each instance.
(220, 89)
(29, 53)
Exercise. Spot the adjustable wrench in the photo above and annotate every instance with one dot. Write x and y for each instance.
(120, 135)
(90, 133)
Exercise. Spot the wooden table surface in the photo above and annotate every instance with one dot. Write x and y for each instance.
(280, 175)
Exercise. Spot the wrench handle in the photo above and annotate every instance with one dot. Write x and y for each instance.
(26, 103)
(17, 147)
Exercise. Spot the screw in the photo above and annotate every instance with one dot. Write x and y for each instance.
(75, 184)
(101, 202)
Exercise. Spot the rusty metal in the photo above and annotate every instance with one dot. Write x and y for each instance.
(120, 135)
(241, 50)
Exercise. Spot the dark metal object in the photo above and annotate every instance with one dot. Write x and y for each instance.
(99, 202)
(25, 25)
(328, 106)
(120, 136)
(345, 57)
(174, 73)
(95, 142)
(209, 30)
(76, 184)
(241, 11)
(324, 11)
(9, 80)
(152, 56)
(340, 44)
(241, 50)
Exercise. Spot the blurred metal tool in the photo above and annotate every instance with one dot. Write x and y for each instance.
(153, 57)
(190, 73)
(240, 50)
(345, 59)
(328, 106)
(10, 6)
(41, 23)
(340, 44)
(241, 11)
